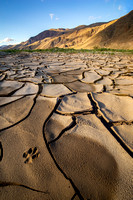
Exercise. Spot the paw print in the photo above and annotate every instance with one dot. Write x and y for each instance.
(30, 155)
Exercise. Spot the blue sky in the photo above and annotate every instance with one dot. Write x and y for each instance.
(21, 19)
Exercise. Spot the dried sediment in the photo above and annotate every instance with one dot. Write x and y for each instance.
(66, 126)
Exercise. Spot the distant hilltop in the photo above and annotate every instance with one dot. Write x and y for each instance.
(116, 34)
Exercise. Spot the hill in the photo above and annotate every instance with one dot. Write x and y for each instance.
(117, 34)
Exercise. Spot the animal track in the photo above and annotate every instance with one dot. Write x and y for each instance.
(30, 155)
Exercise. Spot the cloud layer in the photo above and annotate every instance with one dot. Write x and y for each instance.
(51, 15)
(57, 18)
(92, 18)
(119, 7)
(6, 40)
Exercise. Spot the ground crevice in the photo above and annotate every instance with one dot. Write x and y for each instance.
(107, 126)
(34, 102)
(6, 184)
(52, 156)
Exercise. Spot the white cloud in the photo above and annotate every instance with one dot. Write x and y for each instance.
(119, 7)
(6, 40)
(93, 18)
(57, 18)
(51, 15)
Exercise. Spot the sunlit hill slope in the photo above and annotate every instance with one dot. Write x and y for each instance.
(117, 34)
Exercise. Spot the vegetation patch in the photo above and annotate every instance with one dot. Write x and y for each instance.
(62, 50)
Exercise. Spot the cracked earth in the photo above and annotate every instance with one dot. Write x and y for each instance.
(66, 126)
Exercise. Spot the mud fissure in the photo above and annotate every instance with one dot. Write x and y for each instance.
(107, 125)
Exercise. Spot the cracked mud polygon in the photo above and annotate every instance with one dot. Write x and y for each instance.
(66, 126)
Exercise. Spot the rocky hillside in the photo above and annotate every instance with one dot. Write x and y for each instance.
(114, 34)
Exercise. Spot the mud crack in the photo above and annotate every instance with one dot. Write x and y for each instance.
(34, 102)
(107, 125)
(1, 151)
(5, 184)
(52, 156)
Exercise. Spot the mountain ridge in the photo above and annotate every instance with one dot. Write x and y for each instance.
(115, 34)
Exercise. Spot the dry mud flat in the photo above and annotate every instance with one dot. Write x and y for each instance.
(66, 126)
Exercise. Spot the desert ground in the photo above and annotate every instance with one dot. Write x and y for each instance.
(66, 126)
